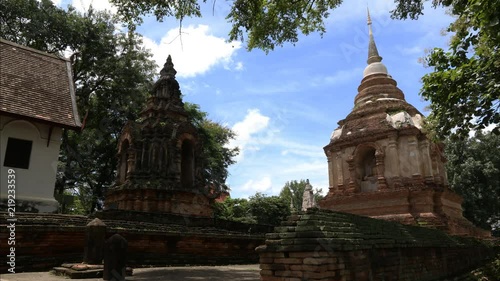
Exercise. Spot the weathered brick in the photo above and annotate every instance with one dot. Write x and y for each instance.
(266, 272)
(288, 273)
(319, 275)
(288, 260)
(301, 254)
(319, 261)
(273, 266)
(335, 266)
(265, 260)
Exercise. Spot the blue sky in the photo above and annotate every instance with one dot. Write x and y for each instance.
(284, 105)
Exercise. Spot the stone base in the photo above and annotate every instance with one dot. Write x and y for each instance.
(160, 201)
(319, 245)
(83, 271)
(427, 207)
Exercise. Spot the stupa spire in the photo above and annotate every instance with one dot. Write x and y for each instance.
(373, 55)
(168, 68)
(375, 65)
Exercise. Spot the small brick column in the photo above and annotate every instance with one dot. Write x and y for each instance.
(94, 242)
(115, 258)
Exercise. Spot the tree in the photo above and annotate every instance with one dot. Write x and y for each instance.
(269, 210)
(474, 172)
(293, 193)
(464, 87)
(264, 24)
(111, 72)
(112, 75)
(236, 209)
(260, 209)
(217, 156)
(37, 24)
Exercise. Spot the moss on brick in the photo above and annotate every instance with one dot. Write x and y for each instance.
(347, 231)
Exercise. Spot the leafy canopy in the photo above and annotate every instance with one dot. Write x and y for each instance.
(112, 74)
(263, 24)
(259, 208)
(474, 172)
(464, 87)
(293, 193)
(268, 209)
(217, 156)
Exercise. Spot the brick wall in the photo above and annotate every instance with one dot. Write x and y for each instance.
(327, 245)
(47, 240)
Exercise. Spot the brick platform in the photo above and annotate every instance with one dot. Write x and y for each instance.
(327, 245)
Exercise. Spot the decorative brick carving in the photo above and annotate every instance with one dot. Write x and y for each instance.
(160, 162)
(386, 151)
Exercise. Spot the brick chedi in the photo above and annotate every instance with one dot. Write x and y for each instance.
(160, 160)
(381, 164)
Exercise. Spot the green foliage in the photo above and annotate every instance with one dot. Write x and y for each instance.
(412, 9)
(474, 172)
(216, 155)
(272, 23)
(260, 209)
(263, 24)
(111, 74)
(112, 77)
(70, 203)
(37, 24)
(234, 210)
(268, 209)
(293, 193)
(464, 88)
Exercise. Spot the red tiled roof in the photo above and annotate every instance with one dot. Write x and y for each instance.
(36, 85)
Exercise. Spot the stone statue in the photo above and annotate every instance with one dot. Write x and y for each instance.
(308, 200)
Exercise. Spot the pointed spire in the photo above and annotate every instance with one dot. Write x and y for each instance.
(308, 200)
(168, 68)
(373, 55)
(308, 185)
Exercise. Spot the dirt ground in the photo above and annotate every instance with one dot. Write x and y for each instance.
(233, 272)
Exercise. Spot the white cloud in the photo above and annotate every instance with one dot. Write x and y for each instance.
(194, 51)
(259, 185)
(300, 149)
(253, 123)
(57, 2)
(99, 5)
(239, 66)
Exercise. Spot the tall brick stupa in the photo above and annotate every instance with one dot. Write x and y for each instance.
(381, 164)
(160, 164)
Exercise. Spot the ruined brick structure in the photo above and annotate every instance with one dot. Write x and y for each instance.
(160, 161)
(381, 163)
(327, 245)
(154, 239)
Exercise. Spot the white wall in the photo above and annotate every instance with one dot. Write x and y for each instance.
(35, 184)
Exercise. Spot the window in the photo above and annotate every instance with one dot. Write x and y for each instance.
(17, 154)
